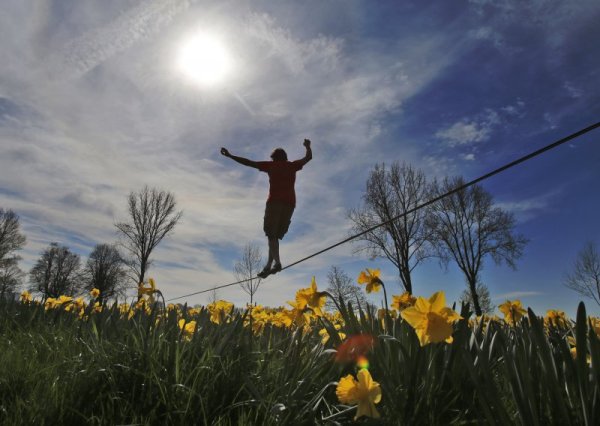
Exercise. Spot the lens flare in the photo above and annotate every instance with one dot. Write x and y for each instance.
(354, 347)
(362, 363)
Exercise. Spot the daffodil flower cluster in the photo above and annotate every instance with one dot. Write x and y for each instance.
(433, 323)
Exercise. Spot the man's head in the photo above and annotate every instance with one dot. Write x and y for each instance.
(278, 154)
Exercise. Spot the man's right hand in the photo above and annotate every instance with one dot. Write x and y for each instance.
(307, 143)
(225, 152)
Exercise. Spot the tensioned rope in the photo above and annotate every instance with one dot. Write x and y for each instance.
(418, 207)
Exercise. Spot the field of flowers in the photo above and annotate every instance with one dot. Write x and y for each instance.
(72, 361)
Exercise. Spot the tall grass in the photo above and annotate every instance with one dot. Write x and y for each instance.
(106, 369)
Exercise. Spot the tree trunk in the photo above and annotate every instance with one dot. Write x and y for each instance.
(407, 281)
(474, 295)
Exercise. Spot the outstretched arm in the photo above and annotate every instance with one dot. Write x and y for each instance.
(240, 160)
(308, 155)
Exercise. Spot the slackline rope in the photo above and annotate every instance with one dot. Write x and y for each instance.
(414, 209)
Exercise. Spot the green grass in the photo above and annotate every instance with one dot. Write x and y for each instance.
(57, 369)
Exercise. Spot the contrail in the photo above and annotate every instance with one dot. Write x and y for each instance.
(96, 46)
(243, 102)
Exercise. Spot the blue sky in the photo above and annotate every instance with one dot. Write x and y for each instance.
(93, 106)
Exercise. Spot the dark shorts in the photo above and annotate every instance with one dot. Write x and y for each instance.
(278, 217)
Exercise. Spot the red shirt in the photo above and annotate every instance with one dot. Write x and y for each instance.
(282, 176)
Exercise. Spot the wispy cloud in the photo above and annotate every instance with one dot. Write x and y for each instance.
(470, 130)
(516, 295)
(530, 208)
(146, 18)
(465, 132)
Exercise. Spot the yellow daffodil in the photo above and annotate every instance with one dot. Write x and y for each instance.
(26, 297)
(382, 312)
(149, 291)
(124, 309)
(219, 310)
(513, 311)
(482, 321)
(192, 312)
(311, 297)
(299, 315)
(280, 319)
(370, 277)
(365, 392)
(95, 293)
(79, 303)
(258, 319)
(65, 299)
(405, 300)
(595, 324)
(50, 303)
(188, 329)
(325, 335)
(431, 319)
(53, 303)
(555, 318)
(573, 344)
(142, 306)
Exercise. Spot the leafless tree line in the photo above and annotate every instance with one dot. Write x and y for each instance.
(111, 268)
(464, 227)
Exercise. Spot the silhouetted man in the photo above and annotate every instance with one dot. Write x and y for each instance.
(282, 198)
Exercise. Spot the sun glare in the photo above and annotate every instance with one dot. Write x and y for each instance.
(205, 60)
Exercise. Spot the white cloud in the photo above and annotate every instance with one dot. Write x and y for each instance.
(472, 130)
(573, 91)
(464, 132)
(515, 110)
(528, 209)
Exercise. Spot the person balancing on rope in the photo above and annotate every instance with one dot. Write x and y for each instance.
(282, 198)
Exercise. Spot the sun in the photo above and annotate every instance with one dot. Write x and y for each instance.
(205, 59)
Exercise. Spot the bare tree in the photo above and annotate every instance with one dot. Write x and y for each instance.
(11, 240)
(483, 295)
(11, 277)
(584, 277)
(56, 273)
(247, 268)
(104, 270)
(152, 217)
(467, 228)
(213, 296)
(389, 194)
(343, 288)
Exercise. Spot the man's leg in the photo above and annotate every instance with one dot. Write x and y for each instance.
(269, 227)
(267, 269)
(274, 250)
(276, 223)
(270, 259)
